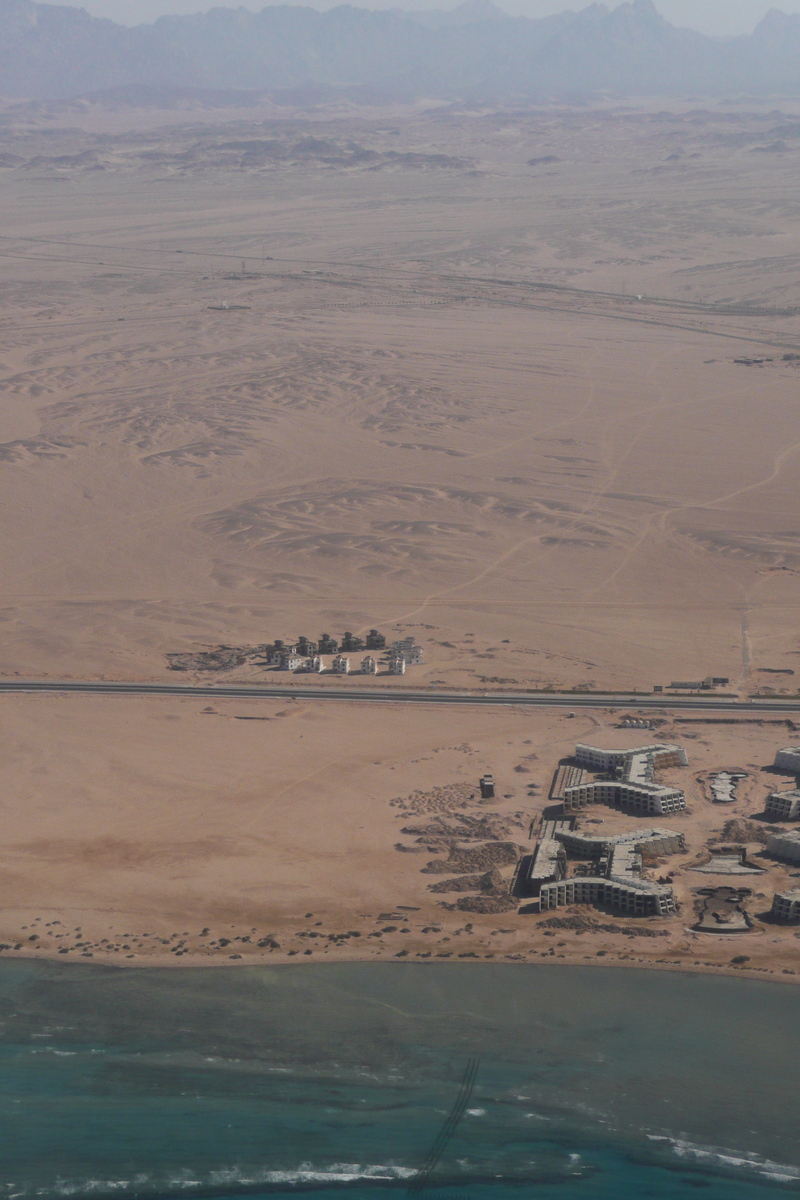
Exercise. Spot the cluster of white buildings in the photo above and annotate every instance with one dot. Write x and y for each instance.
(630, 782)
(614, 880)
(401, 654)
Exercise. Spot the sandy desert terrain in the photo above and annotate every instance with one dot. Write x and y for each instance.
(174, 831)
(523, 384)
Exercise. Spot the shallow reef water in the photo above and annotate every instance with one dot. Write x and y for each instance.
(592, 1083)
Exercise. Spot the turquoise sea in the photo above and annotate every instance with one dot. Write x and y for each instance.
(592, 1084)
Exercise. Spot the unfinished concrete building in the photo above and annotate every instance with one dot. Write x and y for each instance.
(786, 906)
(397, 665)
(788, 759)
(341, 665)
(598, 845)
(615, 878)
(660, 754)
(645, 798)
(633, 897)
(783, 806)
(369, 665)
(276, 650)
(785, 846)
(630, 779)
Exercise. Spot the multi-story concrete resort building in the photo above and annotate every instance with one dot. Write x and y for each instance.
(631, 779)
(639, 798)
(788, 759)
(786, 905)
(785, 845)
(635, 897)
(597, 845)
(783, 806)
(617, 882)
(660, 754)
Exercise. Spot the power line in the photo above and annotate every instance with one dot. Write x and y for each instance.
(447, 1130)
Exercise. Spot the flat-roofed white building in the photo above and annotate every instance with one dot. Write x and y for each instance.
(340, 665)
(788, 759)
(786, 905)
(397, 666)
(785, 845)
(783, 806)
(369, 665)
(291, 661)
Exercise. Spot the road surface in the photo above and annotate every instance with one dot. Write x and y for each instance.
(399, 696)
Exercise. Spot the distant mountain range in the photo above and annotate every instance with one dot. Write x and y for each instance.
(474, 52)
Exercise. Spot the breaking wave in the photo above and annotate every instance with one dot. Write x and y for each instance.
(225, 1179)
(731, 1160)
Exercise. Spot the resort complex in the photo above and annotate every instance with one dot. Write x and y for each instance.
(612, 876)
(627, 780)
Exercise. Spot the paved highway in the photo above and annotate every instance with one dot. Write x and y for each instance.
(396, 696)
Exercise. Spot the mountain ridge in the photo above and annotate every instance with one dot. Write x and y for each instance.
(475, 51)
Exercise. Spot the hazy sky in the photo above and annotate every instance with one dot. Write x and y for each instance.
(724, 17)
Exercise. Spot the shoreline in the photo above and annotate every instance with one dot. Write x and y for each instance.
(216, 962)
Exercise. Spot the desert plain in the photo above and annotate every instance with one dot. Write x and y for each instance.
(520, 383)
